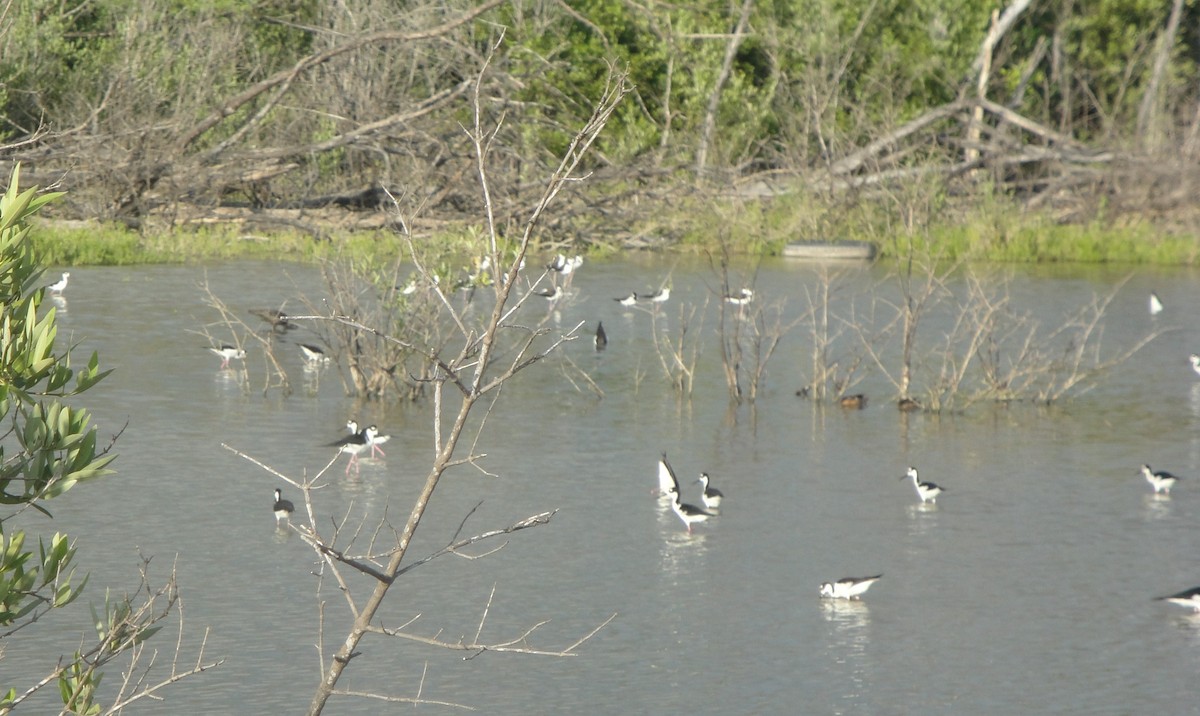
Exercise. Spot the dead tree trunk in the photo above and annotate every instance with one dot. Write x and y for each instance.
(714, 99)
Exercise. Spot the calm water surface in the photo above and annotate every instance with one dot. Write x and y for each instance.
(1027, 589)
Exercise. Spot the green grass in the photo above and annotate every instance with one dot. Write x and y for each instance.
(991, 229)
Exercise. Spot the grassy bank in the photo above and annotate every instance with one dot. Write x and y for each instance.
(995, 231)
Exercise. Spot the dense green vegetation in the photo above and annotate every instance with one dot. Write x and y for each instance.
(158, 113)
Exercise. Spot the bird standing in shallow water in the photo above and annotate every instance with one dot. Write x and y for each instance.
(60, 285)
(376, 441)
(601, 337)
(313, 354)
(354, 445)
(660, 296)
(848, 587)
(741, 297)
(228, 353)
(689, 514)
(667, 483)
(1195, 359)
(1189, 598)
(1156, 305)
(927, 491)
(550, 294)
(858, 401)
(283, 508)
(1161, 481)
(712, 496)
(627, 300)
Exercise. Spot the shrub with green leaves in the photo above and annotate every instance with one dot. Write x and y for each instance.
(46, 447)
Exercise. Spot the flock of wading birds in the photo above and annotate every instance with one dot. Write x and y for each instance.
(359, 440)
(852, 588)
(849, 588)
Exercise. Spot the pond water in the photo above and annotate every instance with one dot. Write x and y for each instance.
(1028, 588)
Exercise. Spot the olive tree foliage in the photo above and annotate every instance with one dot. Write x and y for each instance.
(47, 448)
(172, 112)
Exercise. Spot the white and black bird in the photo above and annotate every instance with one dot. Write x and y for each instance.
(355, 444)
(927, 491)
(313, 355)
(60, 285)
(667, 483)
(1189, 598)
(741, 297)
(627, 300)
(1162, 481)
(1156, 304)
(601, 339)
(848, 587)
(376, 440)
(564, 266)
(661, 295)
(228, 353)
(553, 293)
(689, 514)
(1195, 359)
(283, 508)
(417, 281)
(712, 496)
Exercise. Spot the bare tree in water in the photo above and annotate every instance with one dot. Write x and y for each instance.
(465, 372)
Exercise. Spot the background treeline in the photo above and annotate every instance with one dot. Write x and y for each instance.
(301, 112)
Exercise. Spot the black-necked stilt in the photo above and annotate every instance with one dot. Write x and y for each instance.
(927, 491)
(658, 296)
(627, 300)
(1195, 359)
(418, 281)
(278, 319)
(376, 440)
(690, 514)
(60, 285)
(564, 265)
(848, 587)
(601, 337)
(666, 478)
(283, 508)
(1162, 481)
(313, 354)
(354, 445)
(741, 297)
(1189, 598)
(712, 496)
(552, 293)
(228, 353)
(858, 401)
(1156, 304)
